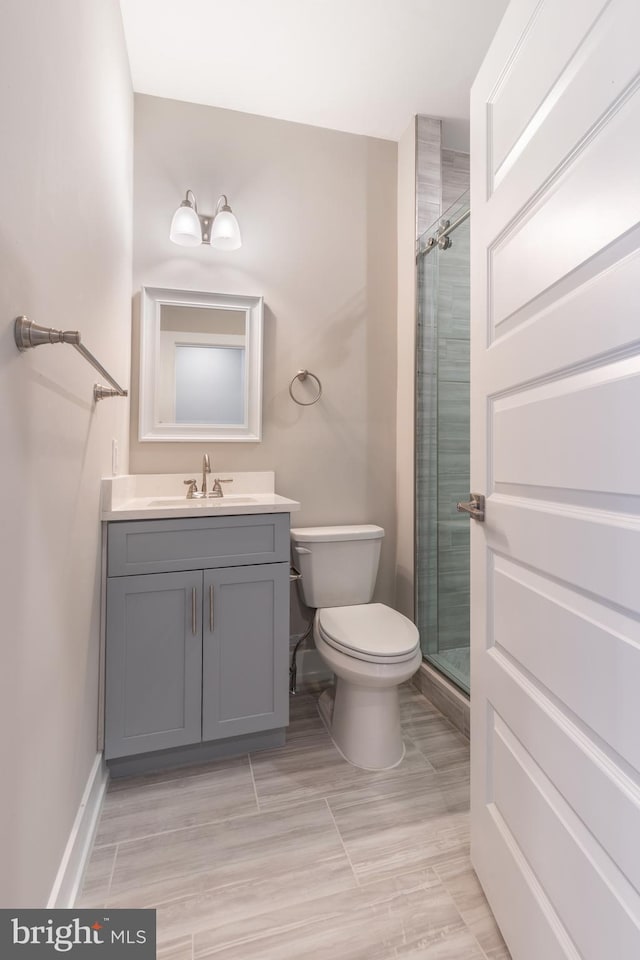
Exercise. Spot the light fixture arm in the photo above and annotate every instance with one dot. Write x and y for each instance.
(205, 220)
(222, 204)
(193, 203)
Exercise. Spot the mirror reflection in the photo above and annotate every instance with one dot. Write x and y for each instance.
(202, 365)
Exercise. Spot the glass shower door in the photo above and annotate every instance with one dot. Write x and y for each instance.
(442, 445)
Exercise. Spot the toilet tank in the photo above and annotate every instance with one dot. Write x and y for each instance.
(339, 565)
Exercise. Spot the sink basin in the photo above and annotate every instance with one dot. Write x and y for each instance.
(202, 502)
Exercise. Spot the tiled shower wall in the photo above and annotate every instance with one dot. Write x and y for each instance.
(452, 332)
(428, 172)
(428, 207)
(455, 176)
(442, 409)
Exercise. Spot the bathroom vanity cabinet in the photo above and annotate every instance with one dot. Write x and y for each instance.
(197, 633)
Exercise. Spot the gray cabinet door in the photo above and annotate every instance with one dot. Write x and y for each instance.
(153, 662)
(245, 675)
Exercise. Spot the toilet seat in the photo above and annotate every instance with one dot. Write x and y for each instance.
(372, 632)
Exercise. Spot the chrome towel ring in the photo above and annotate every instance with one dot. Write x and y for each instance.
(302, 375)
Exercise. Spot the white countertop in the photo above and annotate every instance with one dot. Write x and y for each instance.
(158, 496)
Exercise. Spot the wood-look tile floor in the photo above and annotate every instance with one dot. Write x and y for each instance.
(293, 853)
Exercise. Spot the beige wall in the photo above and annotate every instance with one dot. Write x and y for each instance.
(65, 260)
(317, 210)
(406, 364)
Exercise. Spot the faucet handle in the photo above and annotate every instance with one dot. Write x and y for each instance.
(216, 490)
(193, 486)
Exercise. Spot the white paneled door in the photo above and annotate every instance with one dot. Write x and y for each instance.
(555, 444)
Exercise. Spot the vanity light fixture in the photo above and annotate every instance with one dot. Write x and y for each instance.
(190, 228)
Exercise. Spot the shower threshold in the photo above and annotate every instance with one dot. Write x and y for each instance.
(454, 663)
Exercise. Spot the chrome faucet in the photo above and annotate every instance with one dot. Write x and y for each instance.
(216, 489)
(206, 468)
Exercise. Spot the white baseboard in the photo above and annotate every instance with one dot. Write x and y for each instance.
(78, 849)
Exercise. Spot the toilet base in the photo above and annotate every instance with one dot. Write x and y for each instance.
(364, 724)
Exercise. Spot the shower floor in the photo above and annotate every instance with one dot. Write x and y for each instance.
(454, 663)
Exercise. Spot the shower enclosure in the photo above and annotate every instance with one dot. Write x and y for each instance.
(442, 443)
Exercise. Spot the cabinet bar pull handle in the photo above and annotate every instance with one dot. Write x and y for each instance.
(211, 608)
(193, 610)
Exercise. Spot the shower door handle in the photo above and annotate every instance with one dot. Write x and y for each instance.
(474, 507)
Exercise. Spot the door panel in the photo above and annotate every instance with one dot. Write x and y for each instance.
(569, 543)
(580, 406)
(539, 625)
(555, 389)
(246, 649)
(582, 770)
(570, 866)
(571, 317)
(518, 101)
(153, 662)
(572, 218)
(540, 111)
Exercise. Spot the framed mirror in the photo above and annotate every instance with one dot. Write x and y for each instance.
(200, 366)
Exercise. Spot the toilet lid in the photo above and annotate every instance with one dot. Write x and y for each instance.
(370, 631)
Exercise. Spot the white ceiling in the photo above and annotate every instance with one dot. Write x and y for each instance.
(363, 66)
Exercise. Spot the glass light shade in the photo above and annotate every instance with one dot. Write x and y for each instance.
(185, 227)
(225, 232)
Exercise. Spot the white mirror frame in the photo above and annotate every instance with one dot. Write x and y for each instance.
(149, 427)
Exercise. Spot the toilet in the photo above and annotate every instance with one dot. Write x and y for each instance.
(370, 648)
